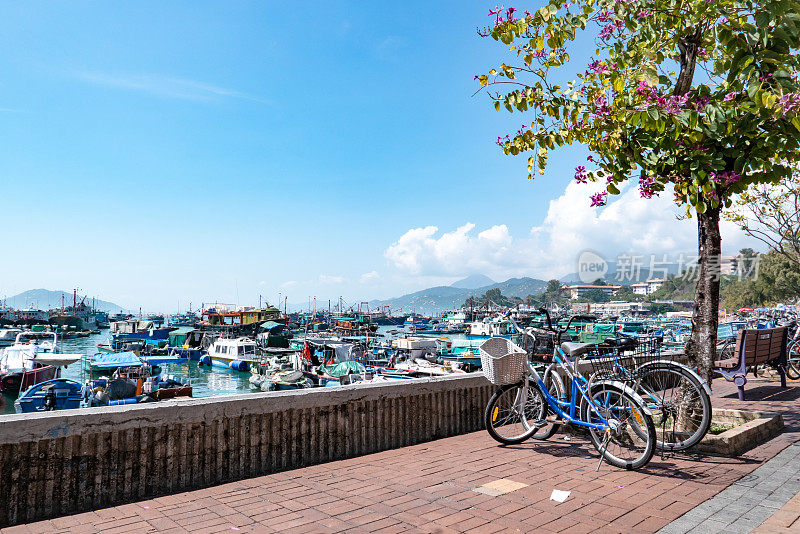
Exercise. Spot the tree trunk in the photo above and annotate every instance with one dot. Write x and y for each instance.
(702, 347)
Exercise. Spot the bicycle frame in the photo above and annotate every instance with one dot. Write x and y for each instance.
(558, 406)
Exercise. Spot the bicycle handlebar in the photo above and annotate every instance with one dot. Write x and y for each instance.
(550, 327)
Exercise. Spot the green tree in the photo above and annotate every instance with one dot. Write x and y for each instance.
(595, 295)
(553, 286)
(772, 215)
(624, 293)
(639, 110)
(777, 281)
(661, 307)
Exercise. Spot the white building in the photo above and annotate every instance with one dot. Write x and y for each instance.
(648, 287)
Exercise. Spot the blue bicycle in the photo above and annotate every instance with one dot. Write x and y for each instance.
(619, 423)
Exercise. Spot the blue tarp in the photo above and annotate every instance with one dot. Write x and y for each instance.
(116, 359)
(159, 360)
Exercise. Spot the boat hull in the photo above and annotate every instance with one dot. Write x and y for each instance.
(12, 383)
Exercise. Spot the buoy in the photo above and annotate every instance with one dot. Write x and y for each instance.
(205, 360)
(132, 400)
(240, 365)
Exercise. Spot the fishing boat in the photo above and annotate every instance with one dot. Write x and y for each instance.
(486, 329)
(464, 352)
(416, 322)
(50, 395)
(29, 362)
(137, 329)
(127, 363)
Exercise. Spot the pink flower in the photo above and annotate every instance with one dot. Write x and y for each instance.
(580, 174)
(728, 97)
(646, 187)
(643, 14)
(725, 178)
(702, 102)
(599, 199)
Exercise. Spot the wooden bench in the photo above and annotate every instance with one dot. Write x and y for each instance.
(755, 347)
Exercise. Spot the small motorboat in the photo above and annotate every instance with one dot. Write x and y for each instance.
(28, 362)
(56, 394)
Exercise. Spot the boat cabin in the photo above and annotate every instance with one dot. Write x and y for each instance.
(230, 349)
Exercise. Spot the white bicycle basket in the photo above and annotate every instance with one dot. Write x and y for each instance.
(502, 361)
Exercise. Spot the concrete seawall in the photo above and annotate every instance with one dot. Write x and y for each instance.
(64, 462)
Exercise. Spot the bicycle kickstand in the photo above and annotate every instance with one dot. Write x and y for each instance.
(606, 439)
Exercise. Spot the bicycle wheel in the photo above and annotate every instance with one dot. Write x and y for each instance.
(630, 440)
(679, 403)
(512, 412)
(555, 386)
(793, 352)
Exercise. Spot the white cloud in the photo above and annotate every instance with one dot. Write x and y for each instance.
(290, 283)
(419, 251)
(371, 276)
(159, 85)
(628, 224)
(326, 279)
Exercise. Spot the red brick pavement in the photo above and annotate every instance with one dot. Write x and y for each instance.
(429, 488)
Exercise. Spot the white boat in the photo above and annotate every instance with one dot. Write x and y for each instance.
(28, 362)
(8, 336)
(235, 353)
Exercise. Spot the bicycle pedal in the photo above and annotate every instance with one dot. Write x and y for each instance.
(540, 423)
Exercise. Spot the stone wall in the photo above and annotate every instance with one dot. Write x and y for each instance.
(60, 463)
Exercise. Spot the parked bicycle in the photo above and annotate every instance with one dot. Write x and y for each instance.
(618, 421)
(677, 397)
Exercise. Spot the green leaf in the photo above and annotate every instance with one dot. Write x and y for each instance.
(611, 188)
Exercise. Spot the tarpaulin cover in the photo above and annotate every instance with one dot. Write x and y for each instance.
(341, 369)
(116, 359)
(604, 328)
(166, 358)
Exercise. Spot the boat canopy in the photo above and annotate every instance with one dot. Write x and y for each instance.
(179, 336)
(271, 325)
(116, 359)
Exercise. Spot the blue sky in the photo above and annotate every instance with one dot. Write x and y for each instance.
(160, 152)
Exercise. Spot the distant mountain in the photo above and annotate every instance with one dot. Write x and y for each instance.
(435, 300)
(473, 281)
(44, 299)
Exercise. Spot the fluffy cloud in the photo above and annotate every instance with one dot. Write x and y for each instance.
(628, 224)
(420, 251)
(370, 277)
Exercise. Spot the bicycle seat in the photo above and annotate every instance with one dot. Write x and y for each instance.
(575, 349)
(621, 342)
